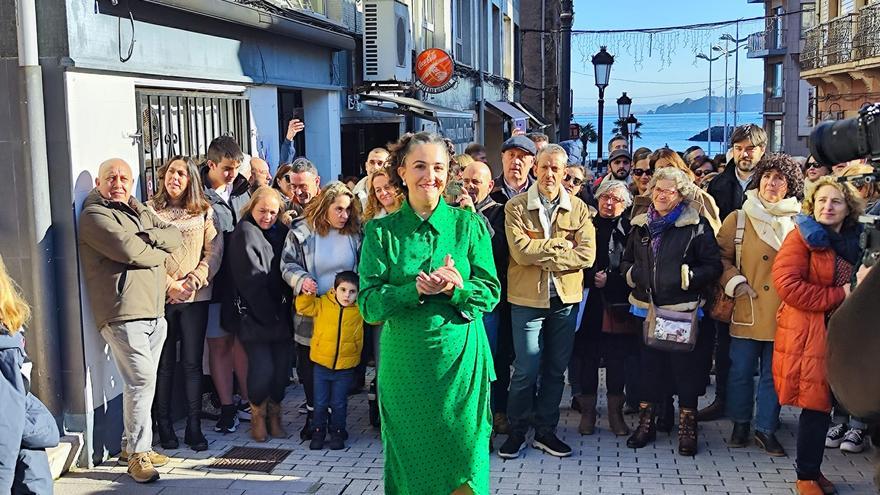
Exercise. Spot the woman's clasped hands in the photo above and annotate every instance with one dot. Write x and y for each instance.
(443, 280)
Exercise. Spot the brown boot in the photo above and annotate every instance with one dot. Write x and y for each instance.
(258, 422)
(587, 426)
(616, 423)
(646, 432)
(274, 420)
(687, 431)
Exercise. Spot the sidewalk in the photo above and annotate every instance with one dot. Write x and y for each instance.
(601, 463)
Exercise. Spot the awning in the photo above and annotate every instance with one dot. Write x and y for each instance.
(534, 115)
(405, 105)
(508, 110)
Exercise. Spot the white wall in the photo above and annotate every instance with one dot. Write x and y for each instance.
(265, 135)
(321, 112)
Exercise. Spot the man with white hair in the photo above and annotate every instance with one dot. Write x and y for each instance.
(551, 241)
(123, 246)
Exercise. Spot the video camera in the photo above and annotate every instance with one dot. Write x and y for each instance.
(840, 141)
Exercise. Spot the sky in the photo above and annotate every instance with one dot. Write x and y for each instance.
(661, 69)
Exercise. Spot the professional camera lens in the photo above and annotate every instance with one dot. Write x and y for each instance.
(837, 142)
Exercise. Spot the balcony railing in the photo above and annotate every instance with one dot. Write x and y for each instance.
(866, 43)
(848, 38)
(766, 43)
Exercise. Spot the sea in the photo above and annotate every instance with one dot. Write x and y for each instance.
(672, 130)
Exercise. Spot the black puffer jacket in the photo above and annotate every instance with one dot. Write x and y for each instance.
(257, 306)
(690, 242)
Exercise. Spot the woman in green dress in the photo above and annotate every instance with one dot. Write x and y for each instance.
(427, 271)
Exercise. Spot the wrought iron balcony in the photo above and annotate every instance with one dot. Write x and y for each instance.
(767, 43)
(866, 42)
(839, 39)
(811, 53)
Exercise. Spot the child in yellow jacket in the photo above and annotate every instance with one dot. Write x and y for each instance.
(337, 340)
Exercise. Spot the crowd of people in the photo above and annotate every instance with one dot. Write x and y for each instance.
(480, 294)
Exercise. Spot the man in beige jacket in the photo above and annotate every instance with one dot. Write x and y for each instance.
(551, 240)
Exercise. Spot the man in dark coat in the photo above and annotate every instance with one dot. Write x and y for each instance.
(517, 160)
(748, 143)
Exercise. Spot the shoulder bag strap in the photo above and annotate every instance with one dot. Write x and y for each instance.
(738, 240)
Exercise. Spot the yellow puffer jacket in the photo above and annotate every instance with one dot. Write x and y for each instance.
(338, 336)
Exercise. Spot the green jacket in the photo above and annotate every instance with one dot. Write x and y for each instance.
(123, 248)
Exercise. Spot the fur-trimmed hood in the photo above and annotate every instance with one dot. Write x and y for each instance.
(690, 216)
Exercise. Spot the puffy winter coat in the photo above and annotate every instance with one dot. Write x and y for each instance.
(804, 274)
(338, 335)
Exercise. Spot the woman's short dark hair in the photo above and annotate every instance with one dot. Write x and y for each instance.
(405, 144)
(785, 165)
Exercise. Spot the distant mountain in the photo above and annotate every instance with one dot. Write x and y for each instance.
(747, 103)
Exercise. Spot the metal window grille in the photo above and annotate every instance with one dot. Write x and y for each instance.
(184, 123)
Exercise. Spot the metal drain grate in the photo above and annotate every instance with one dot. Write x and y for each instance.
(250, 459)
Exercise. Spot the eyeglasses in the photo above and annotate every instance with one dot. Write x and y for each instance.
(611, 198)
(574, 180)
(642, 171)
(665, 192)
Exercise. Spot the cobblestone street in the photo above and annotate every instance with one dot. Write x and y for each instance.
(601, 463)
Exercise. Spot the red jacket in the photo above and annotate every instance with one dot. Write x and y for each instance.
(804, 278)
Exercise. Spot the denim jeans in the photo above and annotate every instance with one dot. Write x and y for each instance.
(543, 339)
(745, 356)
(136, 347)
(331, 390)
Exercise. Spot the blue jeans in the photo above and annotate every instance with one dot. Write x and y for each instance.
(745, 355)
(543, 339)
(331, 390)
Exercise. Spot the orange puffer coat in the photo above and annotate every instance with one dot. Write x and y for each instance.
(803, 274)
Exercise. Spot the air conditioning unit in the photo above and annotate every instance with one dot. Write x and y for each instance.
(387, 41)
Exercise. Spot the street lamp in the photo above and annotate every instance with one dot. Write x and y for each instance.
(623, 106)
(726, 54)
(602, 63)
(736, 41)
(709, 106)
(631, 123)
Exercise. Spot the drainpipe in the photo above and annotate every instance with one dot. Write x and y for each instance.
(42, 342)
(483, 41)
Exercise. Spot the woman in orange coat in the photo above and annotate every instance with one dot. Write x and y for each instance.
(811, 273)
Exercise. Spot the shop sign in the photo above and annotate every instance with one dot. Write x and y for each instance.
(434, 71)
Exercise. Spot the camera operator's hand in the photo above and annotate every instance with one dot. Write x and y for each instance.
(862, 273)
(744, 289)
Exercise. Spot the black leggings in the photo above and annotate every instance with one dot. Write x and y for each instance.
(187, 322)
(305, 371)
(594, 346)
(663, 371)
(812, 427)
(268, 370)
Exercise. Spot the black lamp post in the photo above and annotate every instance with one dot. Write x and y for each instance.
(624, 103)
(631, 123)
(602, 63)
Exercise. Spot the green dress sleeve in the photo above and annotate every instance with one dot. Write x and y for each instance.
(481, 290)
(378, 299)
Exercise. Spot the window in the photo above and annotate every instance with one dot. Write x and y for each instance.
(809, 17)
(775, 135)
(428, 13)
(778, 33)
(776, 86)
(517, 54)
(497, 40)
(463, 35)
(507, 57)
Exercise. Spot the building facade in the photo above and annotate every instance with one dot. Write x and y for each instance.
(841, 57)
(540, 91)
(786, 95)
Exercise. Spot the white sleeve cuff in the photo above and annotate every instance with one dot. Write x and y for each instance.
(629, 279)
(731, 284)
(685, 277)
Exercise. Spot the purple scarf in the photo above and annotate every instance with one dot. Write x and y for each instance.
(658, 224)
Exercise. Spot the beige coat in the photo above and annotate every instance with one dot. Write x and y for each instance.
(535, 256)
(752, 318)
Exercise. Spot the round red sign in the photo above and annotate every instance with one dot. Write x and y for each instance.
(434, 68)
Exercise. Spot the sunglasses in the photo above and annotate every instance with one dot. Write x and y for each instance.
(700, 173)
(574, 180)
(641, 171)
(813, 165)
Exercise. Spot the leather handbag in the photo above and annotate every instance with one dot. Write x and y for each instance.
(720, 304)
(672, 331)
(616, 319)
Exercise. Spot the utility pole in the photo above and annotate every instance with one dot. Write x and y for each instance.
(567, 18)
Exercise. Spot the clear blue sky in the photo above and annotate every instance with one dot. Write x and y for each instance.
(657, 81)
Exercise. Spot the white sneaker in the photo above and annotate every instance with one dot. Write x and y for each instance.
(835, 436)
(853, 441)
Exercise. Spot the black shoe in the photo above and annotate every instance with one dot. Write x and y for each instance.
(307, 429)
(769, 444)
(337, 440)
(317, 439)
(551, 444)
(167, 438)
(713, 411)
(194, 437)
(512, 446)
(228, 421)
(740, 436)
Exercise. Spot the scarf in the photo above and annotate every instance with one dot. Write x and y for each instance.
(658, 224)
(771, 221)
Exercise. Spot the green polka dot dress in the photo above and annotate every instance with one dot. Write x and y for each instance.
(436, 365)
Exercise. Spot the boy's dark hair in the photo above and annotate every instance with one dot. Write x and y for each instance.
(346, 276)
(224, 147)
